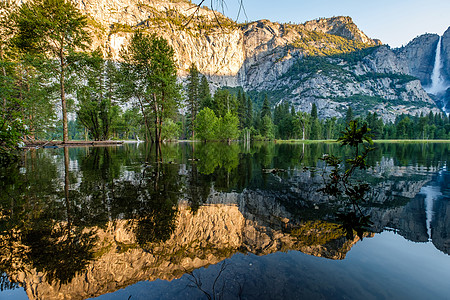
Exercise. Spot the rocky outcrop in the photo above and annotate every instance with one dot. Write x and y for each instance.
(262, 56)
(259, 56)
(419, 55)
(377, 83)
(340, 26)
(445, 56)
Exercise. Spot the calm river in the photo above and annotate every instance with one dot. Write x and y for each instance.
(216, 221)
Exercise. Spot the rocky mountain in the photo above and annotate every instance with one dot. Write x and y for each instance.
(419, 55)
(445, 55)
(329, 62)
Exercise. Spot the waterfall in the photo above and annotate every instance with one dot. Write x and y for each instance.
(437, 82)
(431, 194)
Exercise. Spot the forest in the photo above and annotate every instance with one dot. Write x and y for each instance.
(53, 87)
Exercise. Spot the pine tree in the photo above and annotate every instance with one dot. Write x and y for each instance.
(349, 115)
(224, 102)
(249, 122)
(95, 98)
(265, 110)
(204, 94)
(315, 125)
(292, 110)
(242, 109)
(149, 75)
(193, 101)
(314, 111)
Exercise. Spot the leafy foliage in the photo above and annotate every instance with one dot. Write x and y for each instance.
(148, 74)
(206, 124)
(95, 99)
(52, 28)
(339, 183)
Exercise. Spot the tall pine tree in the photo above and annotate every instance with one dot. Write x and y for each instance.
(265, 110)
(193, 98)
(315, 125)
(204, 93)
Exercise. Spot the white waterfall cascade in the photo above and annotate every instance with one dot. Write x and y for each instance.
(437, 82)
(431, 193)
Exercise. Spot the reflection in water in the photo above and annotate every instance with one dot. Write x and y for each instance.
(88, 221)
(431, 194)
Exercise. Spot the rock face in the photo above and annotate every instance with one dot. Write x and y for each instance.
(445, 55)
(340, 26)
(267, 57)
(259, 56)
(419, 55)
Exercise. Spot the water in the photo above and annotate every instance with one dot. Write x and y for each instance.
(438, 85)
(437, 81)
(218, 220)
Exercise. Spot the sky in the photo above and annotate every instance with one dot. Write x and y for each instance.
(394, 22)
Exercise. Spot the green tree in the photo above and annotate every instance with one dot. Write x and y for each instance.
(54, 29)
(228, 127)
(193, 95)
(25, 92)
(242, 109)
(349, 115)
(267, 127)
(204, 93)
(132, 123)
(206, 124)
(314, 111)
(224, 102)
(95, 97)
(403, 128)
(265, 110)
(300, 125)
(149, 75)
(170, 130)
(249, 111)
(375, 124)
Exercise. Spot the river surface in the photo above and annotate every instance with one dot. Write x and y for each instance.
(217, 221)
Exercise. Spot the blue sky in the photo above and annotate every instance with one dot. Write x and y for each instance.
(394, 22)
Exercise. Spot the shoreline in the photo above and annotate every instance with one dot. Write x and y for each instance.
(58, 144)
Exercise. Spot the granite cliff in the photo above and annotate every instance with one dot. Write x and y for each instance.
(329, 62)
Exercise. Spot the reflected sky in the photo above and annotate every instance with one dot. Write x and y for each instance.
(386, 266)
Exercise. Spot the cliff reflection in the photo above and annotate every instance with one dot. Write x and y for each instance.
(87, 221)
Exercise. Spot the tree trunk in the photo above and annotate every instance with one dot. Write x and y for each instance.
(157, 120)
(303, 131)
(147, 125)
(63, 98)
(4, 74)
(66, 183)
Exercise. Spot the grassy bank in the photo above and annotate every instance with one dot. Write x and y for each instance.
(375, 141)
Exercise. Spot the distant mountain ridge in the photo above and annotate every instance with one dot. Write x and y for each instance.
(328, 61)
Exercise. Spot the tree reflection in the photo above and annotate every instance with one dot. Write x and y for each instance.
(44, 229)
(52, 204)
(59, 248)
(59, 251)
(5, 284)
(155, 203)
